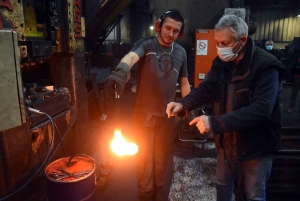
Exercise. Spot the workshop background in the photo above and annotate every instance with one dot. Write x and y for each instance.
(55, 57)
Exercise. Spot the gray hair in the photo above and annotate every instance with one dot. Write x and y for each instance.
(269, 41)
(235, 23)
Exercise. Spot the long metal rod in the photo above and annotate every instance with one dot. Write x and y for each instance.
(198, 141)
(117, 109)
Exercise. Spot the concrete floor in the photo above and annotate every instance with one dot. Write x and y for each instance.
(190, 170)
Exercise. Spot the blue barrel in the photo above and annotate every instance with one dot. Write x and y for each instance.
(73, 181)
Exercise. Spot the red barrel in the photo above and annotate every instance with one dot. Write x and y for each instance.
(71, 180)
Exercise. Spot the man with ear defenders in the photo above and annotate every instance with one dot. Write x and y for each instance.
(161, 64)
(245, 84)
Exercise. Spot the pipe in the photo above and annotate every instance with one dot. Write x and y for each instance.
(32, 110)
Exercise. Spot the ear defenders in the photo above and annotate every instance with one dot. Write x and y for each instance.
(161, 19)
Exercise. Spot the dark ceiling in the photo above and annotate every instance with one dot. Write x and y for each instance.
(272, 3)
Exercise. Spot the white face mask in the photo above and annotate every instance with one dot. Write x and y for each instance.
(269, 47)
(226, 54)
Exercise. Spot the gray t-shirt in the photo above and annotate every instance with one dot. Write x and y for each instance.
(157, 75)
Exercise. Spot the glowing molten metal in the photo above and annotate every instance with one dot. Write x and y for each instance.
(121, 147)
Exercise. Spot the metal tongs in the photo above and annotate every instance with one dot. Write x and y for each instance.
(117, 109)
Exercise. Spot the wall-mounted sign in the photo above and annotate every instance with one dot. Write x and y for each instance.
(77, 19)
(202, 47)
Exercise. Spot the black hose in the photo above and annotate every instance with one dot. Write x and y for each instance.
(44, 162)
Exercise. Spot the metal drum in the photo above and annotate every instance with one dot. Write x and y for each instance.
(71, 180)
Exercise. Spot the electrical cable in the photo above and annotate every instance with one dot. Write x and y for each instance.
(60, 139)
(44, 162)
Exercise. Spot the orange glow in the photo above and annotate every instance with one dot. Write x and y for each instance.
(120, 147)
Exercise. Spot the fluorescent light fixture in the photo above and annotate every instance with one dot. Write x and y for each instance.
(298, 15)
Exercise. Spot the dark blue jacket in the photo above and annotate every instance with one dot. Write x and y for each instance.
(247, 103)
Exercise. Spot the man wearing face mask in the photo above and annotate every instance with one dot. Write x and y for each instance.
(245, 84)
(269, 46)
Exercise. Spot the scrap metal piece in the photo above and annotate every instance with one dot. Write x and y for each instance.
(58, 176)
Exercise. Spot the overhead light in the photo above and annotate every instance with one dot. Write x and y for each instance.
(298, 15)
(151, 27)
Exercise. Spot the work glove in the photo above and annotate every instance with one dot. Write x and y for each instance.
(118, 78)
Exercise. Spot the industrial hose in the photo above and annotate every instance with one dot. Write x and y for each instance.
(32, 110)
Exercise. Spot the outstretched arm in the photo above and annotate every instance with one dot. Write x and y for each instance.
(130, 59)
(121, 74)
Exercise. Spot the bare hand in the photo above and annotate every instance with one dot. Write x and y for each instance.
(173, 109)
(202, 124)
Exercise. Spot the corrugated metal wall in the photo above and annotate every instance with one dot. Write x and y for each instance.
(279, 24)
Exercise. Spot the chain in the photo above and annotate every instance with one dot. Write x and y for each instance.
(166, 53)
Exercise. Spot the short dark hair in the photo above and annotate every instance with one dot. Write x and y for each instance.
(174, 14)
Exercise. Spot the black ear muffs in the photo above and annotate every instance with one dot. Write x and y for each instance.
(158, 26)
